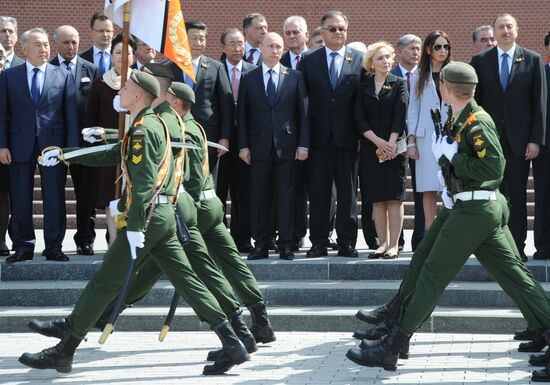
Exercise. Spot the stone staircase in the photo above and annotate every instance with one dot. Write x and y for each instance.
(303, 295)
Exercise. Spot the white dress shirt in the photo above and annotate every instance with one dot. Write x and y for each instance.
(293, 60)
(257, 53)
(106, 56)
(510, 58)
(339, 59)
(404, 70)
(274, 75)
(41, 74)
(8, 59)
(239, 69)
(73, 64)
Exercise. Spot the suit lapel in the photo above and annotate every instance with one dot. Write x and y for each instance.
(260, 79)
(80, 71)
(23, 80)
(281, 82)
(200, 72)
(518, 52)
(324, 65)
(48, 80)
(346, 67)
(493, 63)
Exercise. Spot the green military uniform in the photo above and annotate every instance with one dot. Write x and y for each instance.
(472, 227)
(195, 250)
(145, 150)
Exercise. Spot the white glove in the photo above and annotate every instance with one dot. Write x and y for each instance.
(436, 147)
(136, 240)
(447, 199)
(117, 106)
(50, 158)
(91, 134)
(449, 150)
(113, 208)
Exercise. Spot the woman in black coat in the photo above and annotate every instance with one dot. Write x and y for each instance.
(380, 110)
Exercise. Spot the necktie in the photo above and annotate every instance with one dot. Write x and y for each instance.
(332, 70)
(298, 62)
(271, 91)
(504, 71)
(67, 64)
(408, 74)
(35, 87)
(235, 84)
(102, 67)
(250, 58)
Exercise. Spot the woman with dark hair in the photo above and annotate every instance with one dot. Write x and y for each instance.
(424, 96)
(100, 181)
(380, 112)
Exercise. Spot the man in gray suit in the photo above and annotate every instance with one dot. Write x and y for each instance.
(8, 38)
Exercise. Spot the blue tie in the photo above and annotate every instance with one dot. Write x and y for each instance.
(332, 70)
(35, 87)
(271, 91)
(102, 67)
(504, 71)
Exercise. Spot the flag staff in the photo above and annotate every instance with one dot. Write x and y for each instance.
(123, 77)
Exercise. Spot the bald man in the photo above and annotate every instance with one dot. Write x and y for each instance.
(83, 73)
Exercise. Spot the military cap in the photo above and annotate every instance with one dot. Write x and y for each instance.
(146, 82)
(158, 70)
(459, 72)
(182, 91)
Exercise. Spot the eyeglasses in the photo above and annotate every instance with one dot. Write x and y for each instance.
(336, 29)
(438, 47)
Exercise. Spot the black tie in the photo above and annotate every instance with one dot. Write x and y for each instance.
(271, 91)
(68, 64)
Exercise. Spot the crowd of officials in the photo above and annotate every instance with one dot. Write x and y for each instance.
(312, 123)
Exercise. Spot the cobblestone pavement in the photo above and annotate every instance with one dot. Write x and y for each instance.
(299, 358)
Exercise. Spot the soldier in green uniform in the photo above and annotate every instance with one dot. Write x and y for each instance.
(219, 242)
(472, 226)
(149, 232)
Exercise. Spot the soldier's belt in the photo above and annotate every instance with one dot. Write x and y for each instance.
(207, 194)
(477, 195)
(177, 144)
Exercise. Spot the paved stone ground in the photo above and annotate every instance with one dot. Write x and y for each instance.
(296, 358)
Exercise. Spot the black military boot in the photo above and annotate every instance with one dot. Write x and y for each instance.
(59, 357)
(55, 328)
(539, 359)
(369, 344)
(535, 345)
(525, 335)
(386, 354)
(373, 333)
(233, 351)
(381, 313)
(542, 375)
(104, 317)
(261, 327)
(241, 330)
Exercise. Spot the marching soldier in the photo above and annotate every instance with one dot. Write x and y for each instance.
(476, 215)
(149, 226)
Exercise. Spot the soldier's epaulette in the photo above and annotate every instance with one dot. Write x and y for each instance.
(139, 122)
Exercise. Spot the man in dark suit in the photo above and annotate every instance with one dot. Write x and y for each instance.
(83, 73)
(102, 34)
(273, 131)
(145, 54)
(484, 38)
(8, 39)
(296, 37)
(511, 89)
(408, 51)
(254, 29)
(213, 98)
(233, 173)
(37, 110)
(331, 77)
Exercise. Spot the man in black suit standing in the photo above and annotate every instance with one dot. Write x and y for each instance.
(233, 173)
(37, 110)
(213, 97)
(511, 89)
(254, 29)
(296, 37)
(8, 38)
(83, 72)
(102, 34)
(273, 131)
(408, 51)
(331, 76)
(484, 38)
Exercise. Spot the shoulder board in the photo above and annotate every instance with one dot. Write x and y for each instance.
(471, 118)
(139, 122)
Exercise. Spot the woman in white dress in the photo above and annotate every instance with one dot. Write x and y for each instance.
(424, 96)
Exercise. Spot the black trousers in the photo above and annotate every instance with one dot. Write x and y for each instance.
(300, 221)
(327, 164)
(85, 216)
(273, 179)
(419, 221)
(541, 176)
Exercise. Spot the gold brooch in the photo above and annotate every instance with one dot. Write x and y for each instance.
(285, 73)
(386, 87)
(520, 58)
(205, 65)
(349, 59)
